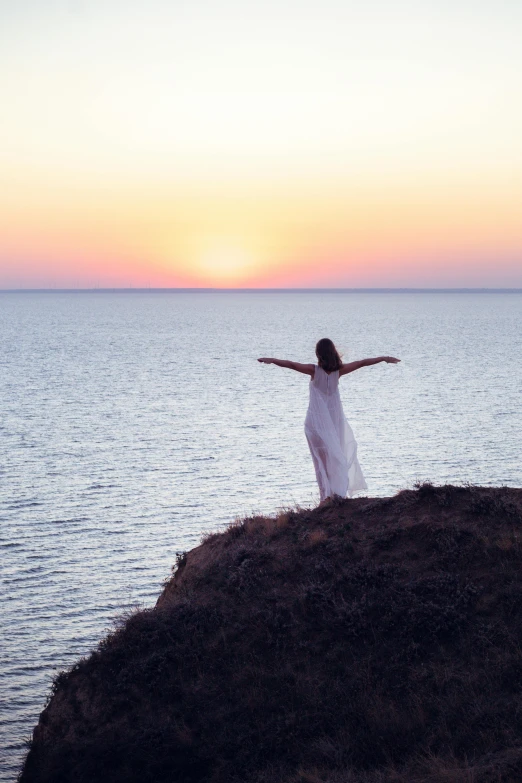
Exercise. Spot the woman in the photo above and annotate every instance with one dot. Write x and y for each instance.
(330, 437)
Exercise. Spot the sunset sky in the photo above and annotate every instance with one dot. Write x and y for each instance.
(260, 144)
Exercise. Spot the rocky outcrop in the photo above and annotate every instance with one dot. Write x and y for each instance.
(366, 641)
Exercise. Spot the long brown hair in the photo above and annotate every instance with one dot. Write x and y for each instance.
(327, 355)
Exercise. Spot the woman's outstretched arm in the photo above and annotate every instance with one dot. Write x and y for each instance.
(307, 369)
(352, 366)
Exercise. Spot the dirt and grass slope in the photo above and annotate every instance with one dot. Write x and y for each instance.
(368, 641)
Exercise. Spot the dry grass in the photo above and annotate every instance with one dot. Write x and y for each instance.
(368, 641)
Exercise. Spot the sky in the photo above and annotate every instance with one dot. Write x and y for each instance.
(275, 143)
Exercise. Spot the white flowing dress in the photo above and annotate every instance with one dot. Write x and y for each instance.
(330, 438)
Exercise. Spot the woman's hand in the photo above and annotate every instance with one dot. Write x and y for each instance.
(390, 359)
(266, 361)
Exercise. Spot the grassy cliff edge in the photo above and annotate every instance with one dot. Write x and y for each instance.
(367, 641)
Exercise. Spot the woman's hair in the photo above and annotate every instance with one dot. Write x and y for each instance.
(327, 355)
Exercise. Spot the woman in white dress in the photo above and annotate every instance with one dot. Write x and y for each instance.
(330, 437)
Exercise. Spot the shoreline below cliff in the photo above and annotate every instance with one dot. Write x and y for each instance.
(372, 640)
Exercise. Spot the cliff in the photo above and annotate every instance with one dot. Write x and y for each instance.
(367, 641)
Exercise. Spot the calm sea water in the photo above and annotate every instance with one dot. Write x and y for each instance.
(132, 423)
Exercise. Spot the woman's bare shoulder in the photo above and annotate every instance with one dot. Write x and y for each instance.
(307, 369)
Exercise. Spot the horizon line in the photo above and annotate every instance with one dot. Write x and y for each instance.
(206, 290)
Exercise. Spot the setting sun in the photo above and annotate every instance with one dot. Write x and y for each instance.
(223, 263)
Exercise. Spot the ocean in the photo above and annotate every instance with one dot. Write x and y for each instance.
(132, 423)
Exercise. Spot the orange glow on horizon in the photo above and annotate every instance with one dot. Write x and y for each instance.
(319, 234)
